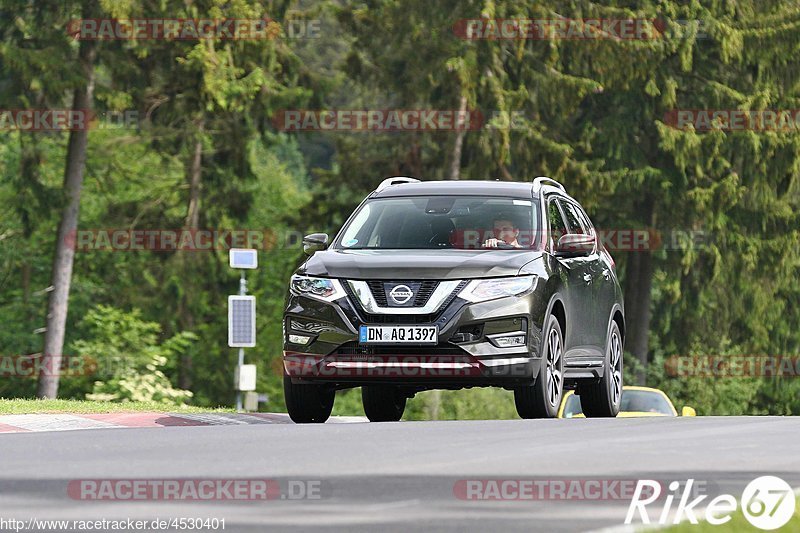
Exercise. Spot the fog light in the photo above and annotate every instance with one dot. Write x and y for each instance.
(508, 340)
(299, 339)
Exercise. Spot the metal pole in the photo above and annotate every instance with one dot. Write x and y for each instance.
(242, 292)
(238, 392)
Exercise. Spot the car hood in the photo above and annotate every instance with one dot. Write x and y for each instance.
(624, 414)
(416, 264)
(639, 414)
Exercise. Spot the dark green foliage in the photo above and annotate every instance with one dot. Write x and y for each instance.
(589, 113)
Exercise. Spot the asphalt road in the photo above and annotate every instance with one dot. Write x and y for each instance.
(394, 476)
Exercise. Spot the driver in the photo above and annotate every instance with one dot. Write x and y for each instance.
(505, 232)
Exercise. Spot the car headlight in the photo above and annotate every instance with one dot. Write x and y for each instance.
(323, 289)
(482, 290)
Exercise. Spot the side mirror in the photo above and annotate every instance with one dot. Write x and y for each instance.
(315, 242)
(688, 411)
(575, 245)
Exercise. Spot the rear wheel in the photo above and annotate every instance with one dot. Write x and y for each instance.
(543, 398)
(307, 403)
(383, 403)
(602, 399)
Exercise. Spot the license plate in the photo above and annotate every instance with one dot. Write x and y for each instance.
(399, 334)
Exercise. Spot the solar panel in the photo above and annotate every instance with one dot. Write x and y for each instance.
(241, 321)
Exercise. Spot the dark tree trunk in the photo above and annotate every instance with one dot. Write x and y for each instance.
(194, 171)
(638, 286)
(65, 254)
(30, 191)
(638, 298)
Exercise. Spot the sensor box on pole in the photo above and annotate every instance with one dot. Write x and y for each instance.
(245, 378)
(246, 258)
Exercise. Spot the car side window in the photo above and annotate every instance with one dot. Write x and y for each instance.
(573, 220)
(587, 223)
(556, 224)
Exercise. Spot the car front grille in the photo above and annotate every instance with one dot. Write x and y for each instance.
(426, 288)
(376, 288)
(422, 293)
(374, 318)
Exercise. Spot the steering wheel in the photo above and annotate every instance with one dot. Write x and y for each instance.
(436, 241)
(501, 246)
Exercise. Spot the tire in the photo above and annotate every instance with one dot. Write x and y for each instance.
(602, 399)
(543, 398)
(307, 403)
(383, 403)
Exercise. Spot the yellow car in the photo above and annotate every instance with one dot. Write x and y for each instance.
(636, 402)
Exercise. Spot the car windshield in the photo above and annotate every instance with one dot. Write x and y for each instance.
(432, 222)
(572, 406)
(644, 402)
(638, 401)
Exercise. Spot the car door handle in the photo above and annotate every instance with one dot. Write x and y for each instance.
(587, 278)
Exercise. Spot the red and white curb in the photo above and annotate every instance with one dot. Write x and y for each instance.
(68, 422)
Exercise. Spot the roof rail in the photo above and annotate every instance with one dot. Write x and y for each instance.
(395, 180)
(544, 180)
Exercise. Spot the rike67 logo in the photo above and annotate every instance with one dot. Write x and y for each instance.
(767, 502)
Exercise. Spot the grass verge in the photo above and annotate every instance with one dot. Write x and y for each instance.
(25, 407)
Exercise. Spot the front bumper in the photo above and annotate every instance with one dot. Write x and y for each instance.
(464, 356)
(433, 371)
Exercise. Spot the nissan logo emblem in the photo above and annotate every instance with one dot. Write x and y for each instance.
(401, 294)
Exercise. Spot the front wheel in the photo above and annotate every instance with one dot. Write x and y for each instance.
(543, 398)
(602, 399)
(383, 403)
(307, 403)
